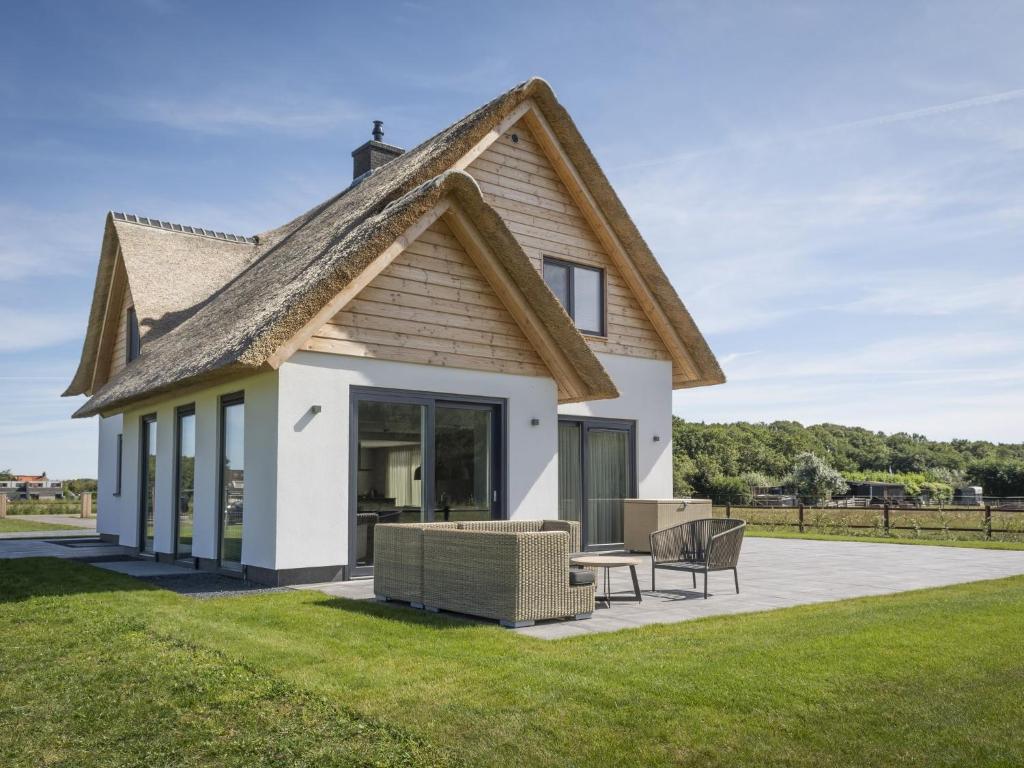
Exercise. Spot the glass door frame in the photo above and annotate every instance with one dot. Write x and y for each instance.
(430, 401)
(586, 423)
(179, 414)
(223, 403)
(144, 424)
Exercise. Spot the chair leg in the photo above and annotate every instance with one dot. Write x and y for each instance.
(736, 576)
(705, 585)
(694, 574)
(654, 570)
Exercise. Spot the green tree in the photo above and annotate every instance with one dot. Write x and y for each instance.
(815, 479)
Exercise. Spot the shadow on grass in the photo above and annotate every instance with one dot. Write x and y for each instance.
(403, 612)
(30, 577)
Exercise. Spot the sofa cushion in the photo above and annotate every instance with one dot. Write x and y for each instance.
(579, 577)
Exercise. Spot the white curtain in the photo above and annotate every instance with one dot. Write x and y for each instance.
(402, 464)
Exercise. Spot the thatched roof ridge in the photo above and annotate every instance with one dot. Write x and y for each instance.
(296, 269)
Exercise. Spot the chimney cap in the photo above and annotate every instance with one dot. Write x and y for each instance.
(378, 130)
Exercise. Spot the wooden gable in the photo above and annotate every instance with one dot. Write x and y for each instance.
(433, 306)
(113, 343)
(519, 181)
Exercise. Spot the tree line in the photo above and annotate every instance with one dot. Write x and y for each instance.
(724, 461)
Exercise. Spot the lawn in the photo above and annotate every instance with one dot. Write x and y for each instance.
(10, 525)
(100, 670)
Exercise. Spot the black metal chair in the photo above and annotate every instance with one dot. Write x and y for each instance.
(698, 546)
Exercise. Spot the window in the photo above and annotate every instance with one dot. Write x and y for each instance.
(581, 291)
(184, 480)
(147, 522)
(131, 335)
(232, 479)
(118, 460)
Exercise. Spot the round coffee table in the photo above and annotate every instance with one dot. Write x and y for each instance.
(607, 562)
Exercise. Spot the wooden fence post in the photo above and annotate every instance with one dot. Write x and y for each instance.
(800, 514)
(988, 521)
(885, 518)
(728, 510)
(3, 505)
(86, 504)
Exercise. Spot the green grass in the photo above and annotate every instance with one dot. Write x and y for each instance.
(99, 669)
(10, 525)
(969, 543)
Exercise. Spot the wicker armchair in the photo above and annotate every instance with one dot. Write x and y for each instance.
(698, 546)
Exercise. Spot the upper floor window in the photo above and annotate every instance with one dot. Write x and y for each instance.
(581, 291)
(131, 335)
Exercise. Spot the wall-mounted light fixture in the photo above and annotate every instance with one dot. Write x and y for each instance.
(315, 409)
(657, 438)
(534, 422)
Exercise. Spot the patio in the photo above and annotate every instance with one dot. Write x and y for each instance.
(774, 573)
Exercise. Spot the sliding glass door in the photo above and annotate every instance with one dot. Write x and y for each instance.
(147, 486)
(184, 481)
(419, 458)
(596, 472)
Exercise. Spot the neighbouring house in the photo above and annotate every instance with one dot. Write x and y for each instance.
(38, 487)
(471, 329)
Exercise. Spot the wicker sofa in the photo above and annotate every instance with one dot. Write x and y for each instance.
(514, 571)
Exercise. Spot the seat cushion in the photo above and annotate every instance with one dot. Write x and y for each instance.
(579, 577)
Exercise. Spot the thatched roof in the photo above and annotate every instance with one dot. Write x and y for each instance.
(172, 270)
(295, 270)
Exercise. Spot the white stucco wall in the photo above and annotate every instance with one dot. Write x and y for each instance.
(645, 396)
(258, 543)
(108, 506)
(313, 466)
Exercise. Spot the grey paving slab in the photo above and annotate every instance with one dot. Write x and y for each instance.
(774, 573)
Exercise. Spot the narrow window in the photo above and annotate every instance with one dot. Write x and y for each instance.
(581, 291)
(232, 479)
(131, 335)
(118, 462)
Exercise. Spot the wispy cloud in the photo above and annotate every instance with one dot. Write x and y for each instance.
(303, 114)
(25, 329)
(937, 109)
(36, 242)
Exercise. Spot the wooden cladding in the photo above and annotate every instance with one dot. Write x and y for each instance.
(119, 354)
(433, 306)
(518, 180)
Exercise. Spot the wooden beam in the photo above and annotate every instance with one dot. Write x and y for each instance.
(591, 211)
(511, 296)
(111, 314)
(492, 136)
(361, 280)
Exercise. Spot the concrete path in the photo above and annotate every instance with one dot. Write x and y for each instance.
(77, 546)
(774, 573)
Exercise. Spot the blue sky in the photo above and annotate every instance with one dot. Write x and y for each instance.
(836, 189)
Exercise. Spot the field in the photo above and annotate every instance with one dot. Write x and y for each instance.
(947, 524)
(927, 678)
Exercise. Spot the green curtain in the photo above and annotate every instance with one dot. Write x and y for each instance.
(570, 471)
(607, 484)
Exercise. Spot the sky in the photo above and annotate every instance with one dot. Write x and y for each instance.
(835, 189)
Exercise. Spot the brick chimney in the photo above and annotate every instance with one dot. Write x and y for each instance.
(373, 154)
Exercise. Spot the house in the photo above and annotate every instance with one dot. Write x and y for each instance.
(471, 329)
(37, 487)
